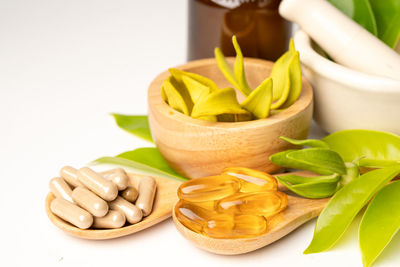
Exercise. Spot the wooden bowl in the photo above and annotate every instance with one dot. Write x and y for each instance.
(197, 148)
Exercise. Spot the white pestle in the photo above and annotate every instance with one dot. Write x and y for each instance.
(344, 40)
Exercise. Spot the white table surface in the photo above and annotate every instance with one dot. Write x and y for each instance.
(64, 66)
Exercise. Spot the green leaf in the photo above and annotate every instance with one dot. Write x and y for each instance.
(178, 74)
(286, 76)
(377, 163)
(163, 94)
(281, 159)
(237, 77)
(306, 142)
(281, 79)
(148, 156)
(218, 102)
(360, 11)
(319, 160)
(374, 148)
(380, 222)
(176, 97)
(311, 187)
(225, 68)
(295, 80)
(344, 206)
(196, 89)
(297, 179)
(292, 49)
(387, 15)
(259, 100)
(146, 160)
(281, 76)
(239, 69)
(134, 124)
(323, 160)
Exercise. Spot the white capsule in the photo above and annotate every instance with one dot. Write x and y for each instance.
(71, 213)
(113, 219)
(70, 175)
(61, 189)
(96, 183)
(147, 192)
(90, 201)
(132, 213)
(119, 177)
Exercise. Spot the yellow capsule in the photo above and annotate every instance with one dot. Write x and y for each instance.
(249, 225)
(192, 216)
(208, 205)
(252, 180)
(219, 226)
(208, 188)
(264, 204)
(235, 204)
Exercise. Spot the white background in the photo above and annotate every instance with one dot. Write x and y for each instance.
(64, 65)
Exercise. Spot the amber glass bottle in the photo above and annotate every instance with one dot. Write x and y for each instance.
(260, 30)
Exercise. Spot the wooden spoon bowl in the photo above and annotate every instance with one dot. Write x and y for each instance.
(164, 200)
(197, 148)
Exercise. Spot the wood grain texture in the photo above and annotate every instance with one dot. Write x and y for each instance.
(163, 203)
(299, 211)
(197, 148)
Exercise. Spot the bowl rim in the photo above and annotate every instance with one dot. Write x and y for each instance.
(355, 80)
(154, 98)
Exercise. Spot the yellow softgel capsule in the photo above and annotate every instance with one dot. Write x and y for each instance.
(208, 205)
(235, 204)
(252, 180)
(264, 204)
(219, 226)
(248, 226)
(192, 216)
(208, 188)
(227, 226)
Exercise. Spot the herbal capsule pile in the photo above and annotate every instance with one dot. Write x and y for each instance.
(88, 199)
(235, 204)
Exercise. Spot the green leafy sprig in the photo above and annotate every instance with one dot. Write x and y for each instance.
(351, 192)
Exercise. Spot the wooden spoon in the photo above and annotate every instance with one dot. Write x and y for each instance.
(299, 211)
(163, 203)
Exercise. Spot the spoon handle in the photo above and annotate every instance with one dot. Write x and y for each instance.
(343, 39)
